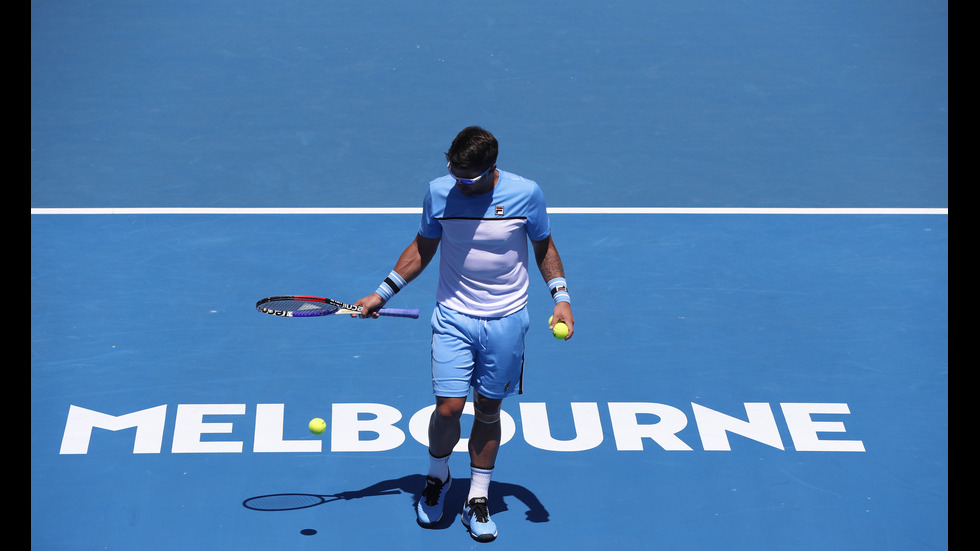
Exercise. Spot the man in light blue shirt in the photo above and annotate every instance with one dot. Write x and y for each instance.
(483, 218)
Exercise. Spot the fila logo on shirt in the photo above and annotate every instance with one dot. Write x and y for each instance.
(498, 210)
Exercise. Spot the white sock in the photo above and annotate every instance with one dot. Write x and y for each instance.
(439, 467)
(479, 482)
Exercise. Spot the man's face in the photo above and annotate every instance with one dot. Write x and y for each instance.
(474, 181)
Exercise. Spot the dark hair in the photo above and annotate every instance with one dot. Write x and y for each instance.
(473, 148)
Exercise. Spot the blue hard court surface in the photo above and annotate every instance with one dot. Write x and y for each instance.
(705, 320)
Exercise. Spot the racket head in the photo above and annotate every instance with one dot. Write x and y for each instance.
(302, 306)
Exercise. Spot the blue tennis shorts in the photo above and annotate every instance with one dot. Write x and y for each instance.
(486, 354)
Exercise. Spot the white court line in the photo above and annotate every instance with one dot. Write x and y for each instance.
(552, 210)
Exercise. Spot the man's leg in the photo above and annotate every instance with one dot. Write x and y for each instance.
(444, 433)
(485, 436)
(444, 427)
(483, 446)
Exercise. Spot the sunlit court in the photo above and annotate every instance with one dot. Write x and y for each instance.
(751, 205)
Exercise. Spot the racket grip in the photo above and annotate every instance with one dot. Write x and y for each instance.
(399, 313)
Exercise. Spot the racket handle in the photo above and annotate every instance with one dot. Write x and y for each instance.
(398, 313)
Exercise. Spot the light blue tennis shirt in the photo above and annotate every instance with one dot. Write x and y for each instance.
(483, 263)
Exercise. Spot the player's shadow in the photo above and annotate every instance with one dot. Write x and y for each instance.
(410, 486)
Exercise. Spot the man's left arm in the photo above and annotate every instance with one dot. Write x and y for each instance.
(549, 263)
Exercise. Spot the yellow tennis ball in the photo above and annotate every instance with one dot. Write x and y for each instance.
(560, 331)
(317, 426)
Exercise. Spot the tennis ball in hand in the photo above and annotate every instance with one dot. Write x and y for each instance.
(317, 426)
(560, 330)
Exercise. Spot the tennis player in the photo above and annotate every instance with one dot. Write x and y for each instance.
(483, 218)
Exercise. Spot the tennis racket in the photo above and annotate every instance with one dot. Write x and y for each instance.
(300, 306)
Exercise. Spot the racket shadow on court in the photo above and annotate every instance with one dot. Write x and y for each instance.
(410, 487)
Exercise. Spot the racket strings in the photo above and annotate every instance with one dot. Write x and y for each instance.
(298, 306)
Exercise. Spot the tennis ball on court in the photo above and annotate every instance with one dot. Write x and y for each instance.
(560, 330)
(317, 426)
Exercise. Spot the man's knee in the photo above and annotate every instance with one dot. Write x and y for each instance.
(486, 410)
(449, 408)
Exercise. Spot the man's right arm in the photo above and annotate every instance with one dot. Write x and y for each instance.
(411, 263)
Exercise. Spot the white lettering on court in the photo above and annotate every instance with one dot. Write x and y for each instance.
(191, 425)
(585, 420)
(347, 427)
(149, 425)
(714, 427)
(374, 427)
